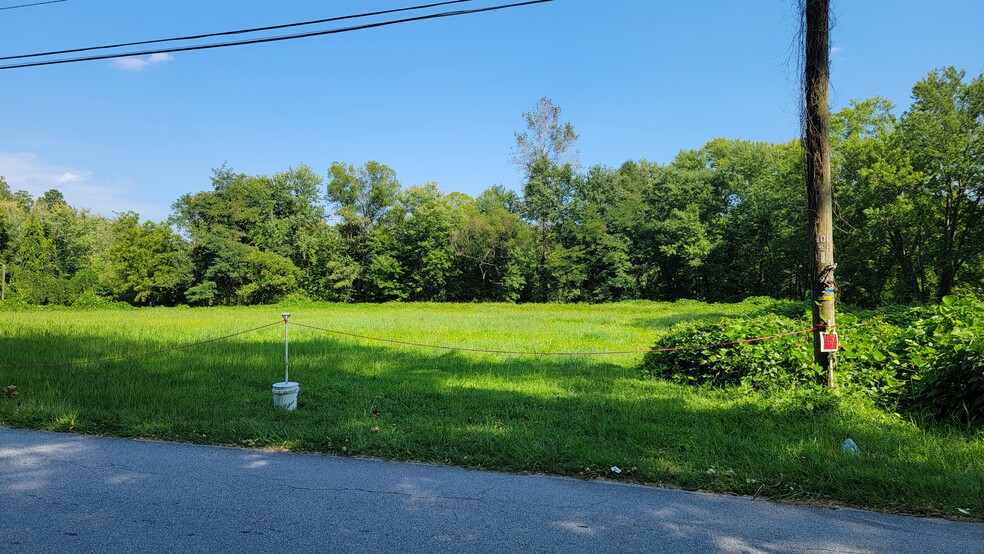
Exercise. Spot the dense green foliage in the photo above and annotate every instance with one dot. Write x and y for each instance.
(776, 363)
(721, 223)
(926, 360)
(946, 353)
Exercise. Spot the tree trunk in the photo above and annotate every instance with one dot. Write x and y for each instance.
(913, 283)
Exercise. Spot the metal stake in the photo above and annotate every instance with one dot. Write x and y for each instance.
(286, 315)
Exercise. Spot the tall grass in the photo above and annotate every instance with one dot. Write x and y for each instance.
(528, 413)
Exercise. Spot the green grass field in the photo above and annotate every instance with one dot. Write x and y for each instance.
(526, 413)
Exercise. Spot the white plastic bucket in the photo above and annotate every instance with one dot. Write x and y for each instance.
(285, 395)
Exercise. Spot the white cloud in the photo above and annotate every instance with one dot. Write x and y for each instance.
(130, 64)
(69, 177)
(136, 63)
(27, 171)
(835, 49)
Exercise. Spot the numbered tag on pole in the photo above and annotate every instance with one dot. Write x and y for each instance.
(828, 342)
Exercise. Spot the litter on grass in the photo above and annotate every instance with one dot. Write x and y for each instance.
(849, 447)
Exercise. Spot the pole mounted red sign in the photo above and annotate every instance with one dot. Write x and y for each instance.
(828, 342)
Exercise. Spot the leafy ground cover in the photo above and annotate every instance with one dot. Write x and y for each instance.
(568, 415)
(927, 361)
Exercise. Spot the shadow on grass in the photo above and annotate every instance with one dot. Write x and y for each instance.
(562, 415)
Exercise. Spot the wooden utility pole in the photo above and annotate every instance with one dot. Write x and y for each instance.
(818, 184)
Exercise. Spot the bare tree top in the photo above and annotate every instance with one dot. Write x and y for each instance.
(545, 137)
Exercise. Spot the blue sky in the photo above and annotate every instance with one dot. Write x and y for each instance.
(436, 100)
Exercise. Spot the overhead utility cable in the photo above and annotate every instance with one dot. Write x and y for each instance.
(273, 39)
(34, 4)
(227, 33)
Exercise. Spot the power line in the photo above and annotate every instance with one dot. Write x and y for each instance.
(273, 39)
(227, 33)
(34, 4)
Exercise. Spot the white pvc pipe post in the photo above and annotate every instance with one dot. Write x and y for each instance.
(286, 315)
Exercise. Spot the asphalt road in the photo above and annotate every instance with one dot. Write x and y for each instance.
(70, 493)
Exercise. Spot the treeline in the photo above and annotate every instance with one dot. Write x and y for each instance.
(722, 222)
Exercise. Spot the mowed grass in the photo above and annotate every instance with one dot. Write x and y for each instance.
(567, 415)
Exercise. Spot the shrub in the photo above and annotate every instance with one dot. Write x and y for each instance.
(929, 359)
(763, 305)
(90, 300)
(774, 363)
(895, 314)
(947, 352)
(872, 360)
